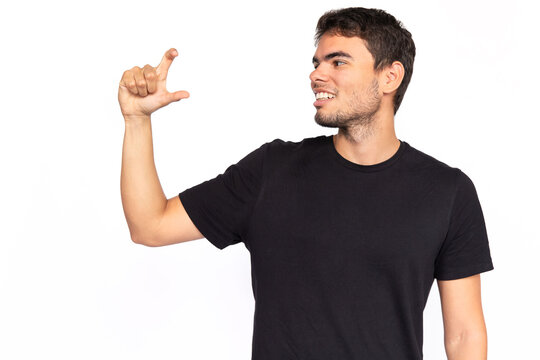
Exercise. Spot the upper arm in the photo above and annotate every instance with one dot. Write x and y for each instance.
(175, 225)
(461, 307)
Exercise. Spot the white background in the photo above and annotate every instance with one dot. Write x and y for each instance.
(74, 286)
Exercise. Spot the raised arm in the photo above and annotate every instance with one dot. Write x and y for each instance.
(150, 216)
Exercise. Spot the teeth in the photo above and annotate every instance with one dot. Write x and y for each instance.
(324, 96)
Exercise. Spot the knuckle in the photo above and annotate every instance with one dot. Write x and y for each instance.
(127, 75)
(141, 83)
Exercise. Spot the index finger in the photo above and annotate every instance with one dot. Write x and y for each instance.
(163, 67)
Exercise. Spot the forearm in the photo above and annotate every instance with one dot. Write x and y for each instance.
(143, 199)
(467, 347)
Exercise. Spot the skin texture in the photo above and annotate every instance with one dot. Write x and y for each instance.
(362, 109)
(153, 219)
(363, 112)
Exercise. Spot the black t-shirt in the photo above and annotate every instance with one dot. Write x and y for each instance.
(343, 256)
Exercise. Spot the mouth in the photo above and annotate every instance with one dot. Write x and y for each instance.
(323, 98)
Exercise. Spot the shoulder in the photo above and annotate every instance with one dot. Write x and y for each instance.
(281, 155)
(425, 166)
(420, 160)
(293, 145)
(279, 147)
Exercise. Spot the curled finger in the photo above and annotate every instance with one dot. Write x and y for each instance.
(128, 81)
(140, 81)
(150, 75)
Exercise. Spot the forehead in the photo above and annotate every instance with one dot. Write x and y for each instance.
(354, 46)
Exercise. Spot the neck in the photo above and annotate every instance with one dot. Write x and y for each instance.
(368, 145)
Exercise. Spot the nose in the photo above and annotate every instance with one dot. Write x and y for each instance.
(318, 74)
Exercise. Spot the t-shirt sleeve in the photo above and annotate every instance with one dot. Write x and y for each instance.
(465, 250)
(220, 207)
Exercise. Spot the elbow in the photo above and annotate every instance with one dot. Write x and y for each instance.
(472, 334)
(146, 241)
(146, 238)
(470, 345)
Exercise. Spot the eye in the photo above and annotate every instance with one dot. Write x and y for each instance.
(338, 62)
(315, 65)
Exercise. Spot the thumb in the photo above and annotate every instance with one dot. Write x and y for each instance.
(178, 95)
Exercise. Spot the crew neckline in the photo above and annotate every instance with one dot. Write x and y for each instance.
(365, 168)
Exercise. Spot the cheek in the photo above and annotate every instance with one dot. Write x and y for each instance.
(347, 84)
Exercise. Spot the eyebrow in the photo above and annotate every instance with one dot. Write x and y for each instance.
(333, 55)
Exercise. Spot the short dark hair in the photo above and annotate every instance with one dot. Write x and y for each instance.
(385, 37)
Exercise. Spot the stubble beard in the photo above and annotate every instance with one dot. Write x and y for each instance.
(357, 120)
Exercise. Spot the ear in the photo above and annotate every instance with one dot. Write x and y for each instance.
(392, 76)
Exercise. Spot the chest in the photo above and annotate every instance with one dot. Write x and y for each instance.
(373, 219)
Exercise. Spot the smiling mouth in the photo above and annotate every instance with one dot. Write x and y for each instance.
(322, 98)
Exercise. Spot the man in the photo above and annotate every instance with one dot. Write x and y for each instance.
(346, 233)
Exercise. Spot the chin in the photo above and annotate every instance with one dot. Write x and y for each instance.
(326, 121)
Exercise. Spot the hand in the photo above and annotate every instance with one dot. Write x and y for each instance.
(143, 91)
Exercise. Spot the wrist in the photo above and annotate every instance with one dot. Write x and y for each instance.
(136, 119)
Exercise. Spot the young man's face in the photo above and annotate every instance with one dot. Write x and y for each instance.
(344, 70)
